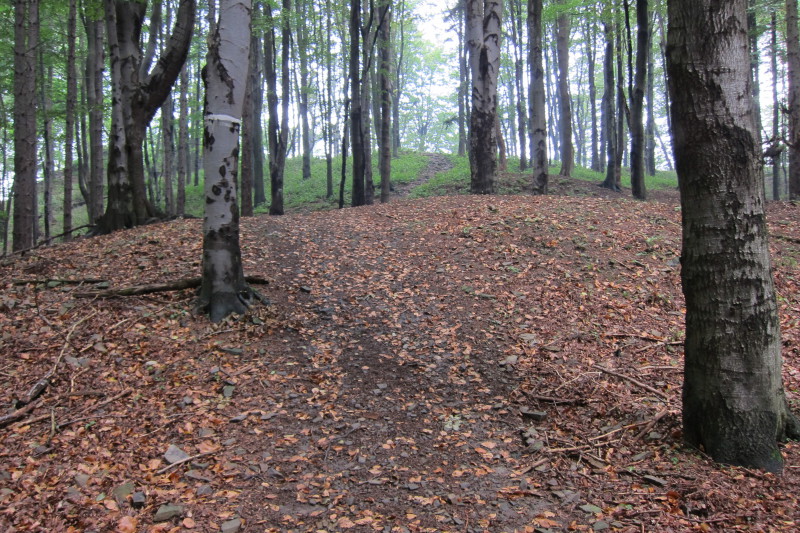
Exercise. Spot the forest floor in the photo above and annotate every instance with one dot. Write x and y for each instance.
(454, 364)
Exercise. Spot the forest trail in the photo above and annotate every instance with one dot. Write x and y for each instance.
(436, 163)
(447, 364)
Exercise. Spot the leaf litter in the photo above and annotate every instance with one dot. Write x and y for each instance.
(446, 364)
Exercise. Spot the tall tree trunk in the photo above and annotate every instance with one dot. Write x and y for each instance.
(650, 125)
(399, 78)
(463, 77)
(734, 406)
(246, 155)
(277, 133)
(139, 91)
(564, 99)
(793, 97)
(367, 56)
(622, 111)
(755, 62)
(609, 111)
(302, 50)
(591, 34)
(538, 112)
(259, 193)
(168, 159)
(385, 49)
(47, 136)
(776, 147)
(26, 39)
(356, 114)
(330, 140)
(69, 126)
(95, 61)
(483, 37)
(515, 13)
(183, 141)
(223, 289)
(638, 185)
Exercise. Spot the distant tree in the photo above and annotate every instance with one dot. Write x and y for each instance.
(26, 38)
(564, 99)
(536, 99)
(638, 186)
(384, 76)
(278, 126)
(793, 104)
(69, 126)
(483, 39)
(224, 290)
(734, 407)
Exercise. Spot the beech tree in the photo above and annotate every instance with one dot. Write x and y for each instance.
(538, 113)
(793, 104)
(483, 39)
(638, 187)
(564, 99)
(137, 93)
(734, 407)
(224, 290)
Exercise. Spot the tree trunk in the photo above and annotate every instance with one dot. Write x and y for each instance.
(26, 39)
(564, 99)
(463, 78)
(734, 406)
(48, 169)
(278, 136)
(538, 112)
(168, 160)
(639, 189)
(69, 126)
(591, 35)
(385, 49)
(650, 126)
(223, 289)
(776, 146)
(356, 114)
(246, 156)
(138, 93)
(609, 111)
(95, 61)
(305, 88)
(793, 97)
(515, 12)
(183, 141)
(483, 38)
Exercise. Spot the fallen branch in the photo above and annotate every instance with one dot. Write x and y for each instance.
(83, 412)
(786, 238)
(186, 460)
(635, 336)
(45, 281)
(632, 380)
(179, 285)
(19, 413)
(549, 399)
(651, 424)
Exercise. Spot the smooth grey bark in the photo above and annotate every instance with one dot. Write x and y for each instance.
(248, 119)
(305, 88)
(26, 38)
(638, 186)
(591, 34)
(483, 38)
(356, 112)
(48, 168)
(734, 407)
(564, 98)
(650, 124)
(793, 97)
(95, 61)
(223, 290)
(277, 128)
(138, 91)
(536, 99)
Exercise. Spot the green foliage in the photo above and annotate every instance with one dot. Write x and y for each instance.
(453, 181)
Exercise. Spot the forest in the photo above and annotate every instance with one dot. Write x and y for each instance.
(400, 265)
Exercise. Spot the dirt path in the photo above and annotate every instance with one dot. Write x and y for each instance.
(436, 163)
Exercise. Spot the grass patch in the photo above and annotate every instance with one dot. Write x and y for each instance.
(453, 181)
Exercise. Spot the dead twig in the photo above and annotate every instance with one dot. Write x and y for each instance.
(178, 285)
(550, 399)
(661, 414)
(61, 281)
(632, 380)
(19, 413)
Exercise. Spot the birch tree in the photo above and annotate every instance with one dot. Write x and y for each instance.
(223, 289)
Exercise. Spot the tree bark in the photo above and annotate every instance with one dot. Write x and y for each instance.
(609, 111)
(26, 38)
(385, 49)
(564, 98)
(638, 186)
(183, 141)
(538, 112)
(69, 126)
(224, 290)
(138, 93)
(591, 34)
(776, 146)
(302, 50)
(483, 38)
(793, 97)
(356, 114)
(95, 61)
(734, 407)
